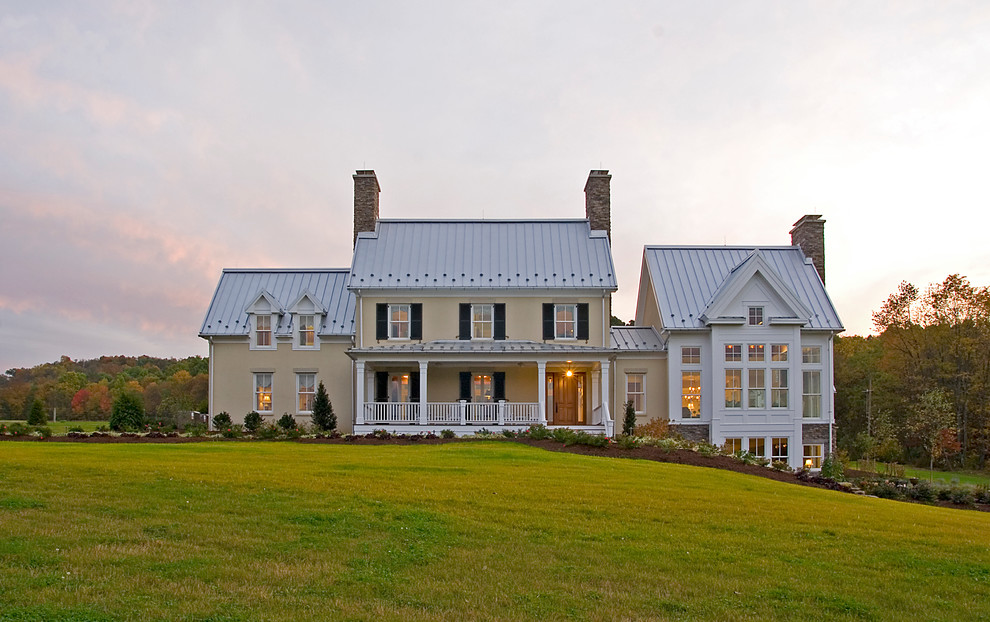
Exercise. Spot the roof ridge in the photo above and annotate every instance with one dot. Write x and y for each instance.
(300, 270)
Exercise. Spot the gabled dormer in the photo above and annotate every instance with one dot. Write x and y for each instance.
(755, 294)
(264, 313)
(306, 320)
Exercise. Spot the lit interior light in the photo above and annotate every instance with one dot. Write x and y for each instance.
(807, 463)
(569, 373)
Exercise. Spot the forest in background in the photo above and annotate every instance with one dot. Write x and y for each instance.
(86, 389)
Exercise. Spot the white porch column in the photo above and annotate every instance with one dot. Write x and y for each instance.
(606, 365)
(541, 379)
(359, 393)
(422, 392)
(595, 390)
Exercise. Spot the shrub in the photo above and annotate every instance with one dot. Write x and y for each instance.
(922, 491)
(447, 434)
(655, 428)
(943, 493)
(590, 440)
(629, 422)
(628, 442)
(231, 431)
(127, 412)
(324, 418)
(37, 414)
(252, 421)
(538, 432)
(43, 431)
(564, 435)
(196, 430)
(833, 468)
(76, 428)
(221, 421)
(982, 493)
(287, 422)
(888, 490)
(707, 449)
(18, 429)
(381, 434)
(780, 465)
(509, 433)
(961, 495)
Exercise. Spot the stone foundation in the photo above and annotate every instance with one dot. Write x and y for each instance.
(698, 433)
(815, 433)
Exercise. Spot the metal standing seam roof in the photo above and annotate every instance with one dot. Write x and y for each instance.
(686, 278)
(488, 347)
(636, 338)
(239, 288)
(483, 254)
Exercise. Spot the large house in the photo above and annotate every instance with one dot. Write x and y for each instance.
(493, 324)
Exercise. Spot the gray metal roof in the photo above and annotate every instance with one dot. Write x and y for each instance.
(686, 278)
(239, 288)
(636, 338)
(484, 254)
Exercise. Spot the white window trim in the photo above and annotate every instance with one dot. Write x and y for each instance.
(408, 321)
(642, 393)
(691, 365)
(255, 393)
(273, 343)
(574, 322)
(299, 393)
(490, 323)
(786, 389)
(806, 394)
(815, 347)
(749, 315)
(699, 394)
(317, 322)
(742, 392)
(805, 456)
(776, 457)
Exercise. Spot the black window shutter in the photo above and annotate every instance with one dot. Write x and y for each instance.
(464, 328)
(548, 331)
(582, 320)
(416, 320)
(500, 321)
(381, 386)
(414, 386)
(381, 321)
(499, 385)
(466, 385)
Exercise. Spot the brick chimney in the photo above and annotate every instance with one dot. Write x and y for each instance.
(598, 202)
(809, 234)
(366, 191)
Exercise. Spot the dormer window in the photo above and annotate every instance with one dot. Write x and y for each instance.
(263, 319)
(263, 331)
(756, 316)
(307, 331)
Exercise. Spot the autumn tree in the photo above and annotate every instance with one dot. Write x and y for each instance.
(931, 424)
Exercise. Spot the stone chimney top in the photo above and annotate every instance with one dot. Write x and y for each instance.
(366, 190)
(598, 202)
(809, 234)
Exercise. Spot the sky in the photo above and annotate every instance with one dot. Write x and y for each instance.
(144, 146)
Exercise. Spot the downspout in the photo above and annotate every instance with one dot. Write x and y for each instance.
(606, 324)
(831, 407)
(210, 372)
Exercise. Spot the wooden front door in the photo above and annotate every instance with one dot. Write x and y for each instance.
(567, 399)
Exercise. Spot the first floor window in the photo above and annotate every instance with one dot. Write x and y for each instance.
(733, 388)
(307, 391)
(690, 355)
(307, 331)
(398, 321)
(758, 447)
(778, 449)
(733, 445)
(481, 388)
(636, 391)
(812, 394)
(690, 394)
(813, 456)
(482, 319)
(263, 392)
(757, 388)
(565, 321)
(263, 330)
(778, 388)
(398, 388)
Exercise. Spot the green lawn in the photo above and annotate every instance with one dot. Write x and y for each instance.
(61, 428)
(945, 477)
(283, 531)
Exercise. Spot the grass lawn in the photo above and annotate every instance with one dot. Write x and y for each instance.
(945, 477)
(61, 428)
(481, 531)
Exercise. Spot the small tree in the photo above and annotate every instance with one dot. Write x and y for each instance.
(287, 422)
(252, 421)
(932, 415)
(629, 422)
(222, 421)
(127, 412)
(36, 416)
(323, 416)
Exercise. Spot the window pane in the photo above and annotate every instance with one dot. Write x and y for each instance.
(635, 391)
(263, 330)
(756, 352)
(757, 388)
(306, 330)
(482, 389)
(733, 388)
(399, 321)
(566, 321)
(757, 447)
(263, 392)
(811, 354)
(307, 391)
(756, 316)
(778, 352)
(778, 449)
(813, 456)
(482, 317)
(690, 355)
(812, 398)
(691, 394)
(733, 353)
(778, 388)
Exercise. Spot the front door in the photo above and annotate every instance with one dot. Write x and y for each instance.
(568, 395)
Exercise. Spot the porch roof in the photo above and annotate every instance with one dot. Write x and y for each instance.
(458, 346)
(636, 339)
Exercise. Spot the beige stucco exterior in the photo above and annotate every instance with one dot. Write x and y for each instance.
(654, 368)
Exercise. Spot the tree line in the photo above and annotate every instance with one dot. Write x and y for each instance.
(919, 390)
(87, 389)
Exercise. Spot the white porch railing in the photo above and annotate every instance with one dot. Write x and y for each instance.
(391, 412)
(454, 413)
(601, 415)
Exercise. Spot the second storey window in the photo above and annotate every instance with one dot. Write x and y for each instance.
(812, 396)
(778, 352)
(263, 330)
(482, 321)
(565, 321)
(757, 388)
(307, 331)
(399, 321)
(733, 388)
(733, 353)
(263, 392)
(690, 355)
(778, 388)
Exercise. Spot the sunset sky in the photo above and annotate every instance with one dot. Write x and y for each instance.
(144, 146)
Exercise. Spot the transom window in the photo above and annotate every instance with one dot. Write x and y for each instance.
(811, 397)
(733, 353)
(811, 354)
(690, 355)
(778, 449)
(690, 394)
(636, 392)
(263, 330)
(778, 352)
(756, 352)
(756, 316)
(263, 392)
(398, 321)
(757, 388)
(306, 392)
(778, 388)
(813, 456)
(565, 321)
(482, 321)
(307, 331)
(481, 388)
(733, 388)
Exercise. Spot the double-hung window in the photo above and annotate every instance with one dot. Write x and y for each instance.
(733, 388)
(811, 382)
(565, 321)
(263, 392)
(778, 388)
(398, 321)
(482, 321)
(757, 392)
(307, 331)
(263, 331)
(778, 449)
(813, 456)
(636, 391)
(306, 384)
(758, 447)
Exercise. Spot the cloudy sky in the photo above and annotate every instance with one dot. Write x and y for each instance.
(146, 145)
